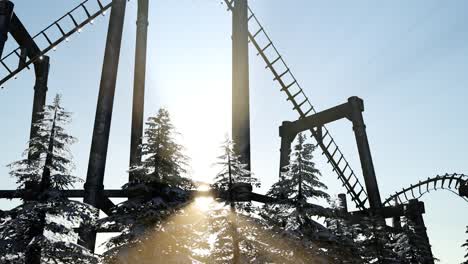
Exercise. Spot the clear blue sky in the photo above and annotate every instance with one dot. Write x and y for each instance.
(406, 59)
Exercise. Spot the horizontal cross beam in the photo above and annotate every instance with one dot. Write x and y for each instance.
(78, 193)
(395, 211)
(351, 110)
(119, 193)
(106, 204)
(388, 211)
(291, 129)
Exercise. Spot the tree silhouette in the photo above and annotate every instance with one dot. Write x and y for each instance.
(300, 183)
(224, 222)
(42, 228)
(158, 190)
(375, 242)
(342, 246)
(232, 169)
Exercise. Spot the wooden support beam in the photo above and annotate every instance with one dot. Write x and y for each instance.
(138, 106)
(23, 38)
(102, 123)
(106, 205)
(78, 193)
(388, 211)
(6, 11)
(351, 110)
(394, 211)
(291, 129)
(240, 81)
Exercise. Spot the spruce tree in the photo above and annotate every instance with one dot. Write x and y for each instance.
(228, 241)
(342, 245)
(254, 240)
(232, 170)
(364, 240)
(41, 230)
(158, 190)
(240, 233)
(299, 183)
(375, 242)
(404, 247)
(410, 246)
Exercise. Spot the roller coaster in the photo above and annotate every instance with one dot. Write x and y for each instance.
(455, 183)
(33, 50)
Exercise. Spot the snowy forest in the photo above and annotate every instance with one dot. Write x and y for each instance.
(163, 220)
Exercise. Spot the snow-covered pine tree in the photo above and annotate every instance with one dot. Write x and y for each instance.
(238, 232)
(342, 247)
(256, 241)
(299, 183)
(402, 245)
(228, 240)
(232, 169)
(41, 229)
(410, 246)
(158, 190)
(374, 242)
(163, 158)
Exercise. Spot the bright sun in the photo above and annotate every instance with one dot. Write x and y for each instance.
(203, 188)
(202, 132)
(203, 203)
(200, 108)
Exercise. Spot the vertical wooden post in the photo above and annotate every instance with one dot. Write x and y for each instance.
(97, 158)
(357, 106)
(240, 81)
(415, 214)
(139, 84)
(396, 220)
(40, 93)
(285, 151)
(6, 11)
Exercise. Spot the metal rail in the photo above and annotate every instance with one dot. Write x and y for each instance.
(71, 17)
(449, 182)
(304, 107)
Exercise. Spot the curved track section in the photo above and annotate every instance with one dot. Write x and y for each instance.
(456, 183)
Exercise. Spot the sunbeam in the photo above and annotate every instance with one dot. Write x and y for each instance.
(206, 228)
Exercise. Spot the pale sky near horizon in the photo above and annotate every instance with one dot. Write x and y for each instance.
(406, 59)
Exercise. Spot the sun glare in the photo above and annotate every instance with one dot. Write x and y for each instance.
(203, 188)
(200, 109)
(203, 203)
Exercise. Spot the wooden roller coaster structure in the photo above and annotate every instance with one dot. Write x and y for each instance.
(246, 26)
